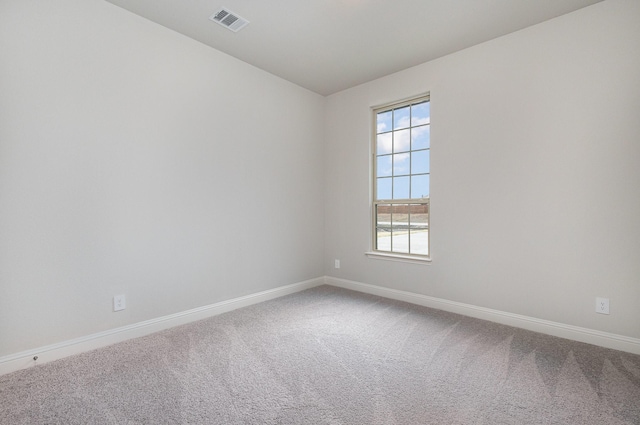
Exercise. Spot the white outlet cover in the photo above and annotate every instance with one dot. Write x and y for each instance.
(337, 264)
(602, 305)
(119, 303)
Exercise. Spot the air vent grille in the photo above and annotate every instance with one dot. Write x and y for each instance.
(229, 19)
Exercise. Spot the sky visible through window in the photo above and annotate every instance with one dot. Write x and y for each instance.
(403, 152)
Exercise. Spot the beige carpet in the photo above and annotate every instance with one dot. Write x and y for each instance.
(331, 356)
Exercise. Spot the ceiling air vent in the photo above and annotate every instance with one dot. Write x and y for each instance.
(229, 19)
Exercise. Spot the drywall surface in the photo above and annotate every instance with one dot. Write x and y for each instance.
(136, 161)
(535, 160)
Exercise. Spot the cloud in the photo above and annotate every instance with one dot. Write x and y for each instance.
(420, 137)
(384, 121)
(401, 140)
(401, 164)
(403, 122)
(385, 143)
(421, 120)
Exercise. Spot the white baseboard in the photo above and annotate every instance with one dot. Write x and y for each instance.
(589, 336)
(63, 349)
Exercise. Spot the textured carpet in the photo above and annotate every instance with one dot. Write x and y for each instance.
(331, 356)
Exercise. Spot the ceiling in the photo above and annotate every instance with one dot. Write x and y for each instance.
(329, 45)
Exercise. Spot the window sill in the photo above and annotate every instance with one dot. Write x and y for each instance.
(398, 257)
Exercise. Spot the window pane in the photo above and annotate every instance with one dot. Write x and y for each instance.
(383, 166)
(383, 216)
(401, 164)
(400, 187)
(420, 137)
(420, 162)
(400, 241)
(419, 240)
(400, 215)
(384, 143)
(383, 240)
(420, 113)
(420, 186)
(419, 216)
(401, 118)
(401, 141)
(384, 122)
(383, 187)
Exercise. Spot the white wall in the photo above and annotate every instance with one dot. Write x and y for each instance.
(135, 160)
(535, 173)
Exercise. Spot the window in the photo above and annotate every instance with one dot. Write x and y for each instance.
(401, 146)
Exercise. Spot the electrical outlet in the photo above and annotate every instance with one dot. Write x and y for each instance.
(119, 303)
(337, 264)
(602, 305)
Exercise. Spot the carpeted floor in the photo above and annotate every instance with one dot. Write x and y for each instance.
(331, 356)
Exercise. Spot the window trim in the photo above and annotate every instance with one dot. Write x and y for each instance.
(374, 252)
(403, 258)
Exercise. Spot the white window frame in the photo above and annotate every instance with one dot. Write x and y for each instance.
(389, 254)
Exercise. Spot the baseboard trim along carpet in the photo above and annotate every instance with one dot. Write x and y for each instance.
(63, 349)
(575, 333)
(25, 359)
